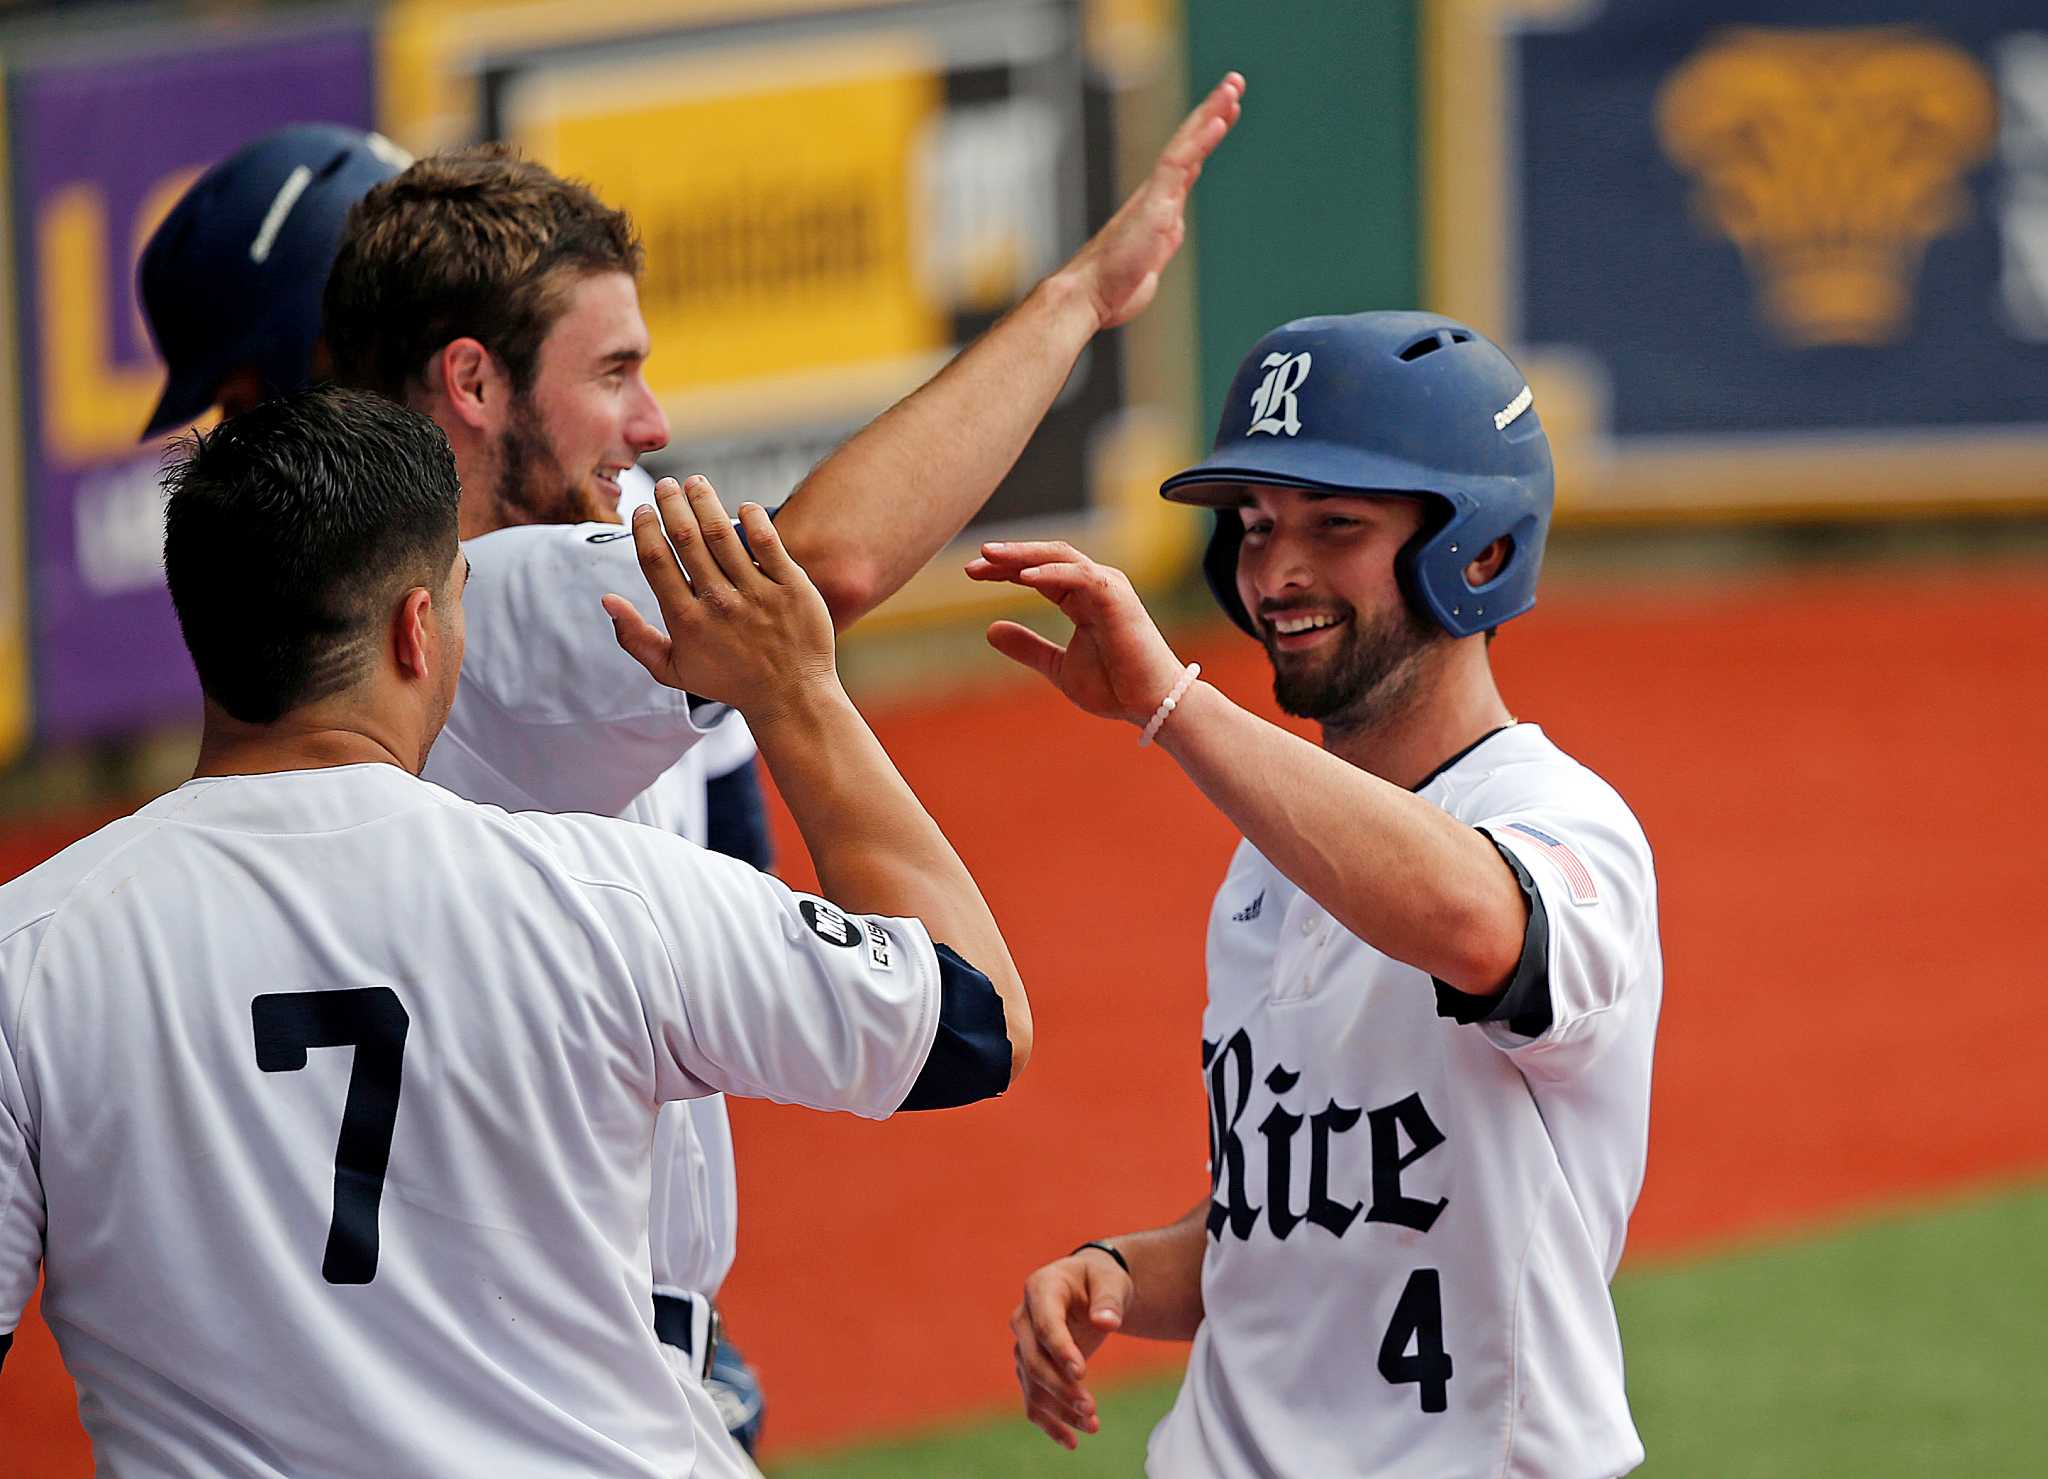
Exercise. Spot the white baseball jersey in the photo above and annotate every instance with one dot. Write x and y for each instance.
(327, 1101)
(552, 715)
(1414, 1221)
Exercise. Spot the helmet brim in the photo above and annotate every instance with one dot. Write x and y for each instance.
(1297, 465)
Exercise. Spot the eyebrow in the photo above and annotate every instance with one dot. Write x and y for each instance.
(621, 357)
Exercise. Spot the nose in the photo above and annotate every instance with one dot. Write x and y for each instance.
(646, 423)
(1280, 567)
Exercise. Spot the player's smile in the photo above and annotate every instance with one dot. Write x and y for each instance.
(1293, 629)
(607, 479)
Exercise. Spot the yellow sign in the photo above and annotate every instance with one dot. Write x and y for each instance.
(14, 685)
(774, 193)
(93, 405)
(834, 195)
(1831, 158)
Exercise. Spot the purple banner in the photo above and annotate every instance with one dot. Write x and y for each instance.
(102, 147)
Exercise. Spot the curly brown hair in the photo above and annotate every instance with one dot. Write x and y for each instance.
(470, 243)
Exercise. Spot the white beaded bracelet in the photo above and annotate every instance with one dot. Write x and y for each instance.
(1166, 705)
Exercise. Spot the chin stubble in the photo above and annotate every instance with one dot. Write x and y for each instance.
(1373, 674)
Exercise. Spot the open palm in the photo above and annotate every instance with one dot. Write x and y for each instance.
(1116, 665)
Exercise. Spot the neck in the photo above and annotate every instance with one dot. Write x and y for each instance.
(1451, 705)
(476, 465)
(478, 513)
(299, 741)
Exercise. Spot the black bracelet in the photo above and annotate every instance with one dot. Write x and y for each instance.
(1121, 1261)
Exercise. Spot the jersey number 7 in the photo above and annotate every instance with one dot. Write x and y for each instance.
(372, 1020)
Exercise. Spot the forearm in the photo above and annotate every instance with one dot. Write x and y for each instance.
(1395, 870)
(876, 849)
(876, 511)
(1166, 1277)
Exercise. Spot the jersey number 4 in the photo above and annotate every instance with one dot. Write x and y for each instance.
(371, 1020)
(1419, 1321)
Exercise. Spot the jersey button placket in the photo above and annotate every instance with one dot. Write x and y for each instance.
(1300, 951)
(1312, 967)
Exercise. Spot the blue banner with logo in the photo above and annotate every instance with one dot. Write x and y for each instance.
(1766, 255)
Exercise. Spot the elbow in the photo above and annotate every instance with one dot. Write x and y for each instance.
(1480, 973)
(850, 581)
(1019, 1019)
(851, 588)
(1488, 951)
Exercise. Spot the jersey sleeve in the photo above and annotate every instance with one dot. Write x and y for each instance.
(21, 1191)
(1591, 948)
(752, 988)
(727, 745)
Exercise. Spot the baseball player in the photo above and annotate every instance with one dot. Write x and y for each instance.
(373, 1069)
(1434, 971)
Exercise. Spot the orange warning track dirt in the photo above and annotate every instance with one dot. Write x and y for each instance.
(1837, 776)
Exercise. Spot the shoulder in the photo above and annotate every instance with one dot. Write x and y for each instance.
(1523, 770)
(603, 849)
(650, 884)
(542, 573)
(509, 552)
(32, 904)
(45, 888)
(542, 570)
(1568, 825)
(541, 649)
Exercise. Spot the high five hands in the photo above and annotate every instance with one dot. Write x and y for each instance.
(741, 622)
(1116, 665)
(1118, 270)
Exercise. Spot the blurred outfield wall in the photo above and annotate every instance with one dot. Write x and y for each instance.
(1761, 261)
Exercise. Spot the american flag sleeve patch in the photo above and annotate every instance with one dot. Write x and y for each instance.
(1578, 880)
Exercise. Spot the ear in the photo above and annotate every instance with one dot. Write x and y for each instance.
(414, 635)
(241, 389)
(471, 382)
(1489, 563)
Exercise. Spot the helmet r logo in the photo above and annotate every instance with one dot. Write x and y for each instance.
(1273, 408)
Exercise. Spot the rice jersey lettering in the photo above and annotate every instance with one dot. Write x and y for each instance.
(1400, 1134)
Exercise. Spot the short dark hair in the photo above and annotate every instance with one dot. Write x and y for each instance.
(472, 243)
(291, 531)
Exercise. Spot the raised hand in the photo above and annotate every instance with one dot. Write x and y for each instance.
(1070, 1307)
(746, 628)
(1119, 267)
(1116, 665)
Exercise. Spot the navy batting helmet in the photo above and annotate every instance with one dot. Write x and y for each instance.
(1403, 403)
(234, 275)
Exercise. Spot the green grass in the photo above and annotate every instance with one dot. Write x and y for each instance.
(1910, 1347)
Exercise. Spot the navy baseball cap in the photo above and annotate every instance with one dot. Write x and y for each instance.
(235, 274)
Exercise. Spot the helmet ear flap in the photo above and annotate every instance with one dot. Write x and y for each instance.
(1219, 567)
(1436, 513)
(1433, 564)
